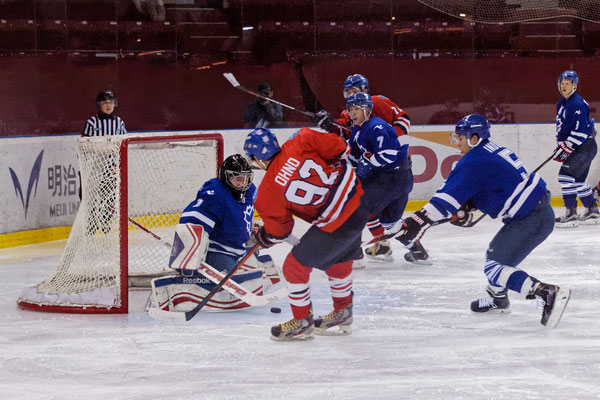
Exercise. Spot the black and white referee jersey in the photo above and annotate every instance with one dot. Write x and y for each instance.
(104, 125)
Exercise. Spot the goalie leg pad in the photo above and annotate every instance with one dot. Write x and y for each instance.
(182, 293)
(190, 245)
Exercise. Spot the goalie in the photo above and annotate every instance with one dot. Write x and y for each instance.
(213, 230)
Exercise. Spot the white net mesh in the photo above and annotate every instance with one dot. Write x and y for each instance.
(506, 11)
(163, 175)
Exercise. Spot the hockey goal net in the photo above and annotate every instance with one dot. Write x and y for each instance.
(134, 190)
(510, 11)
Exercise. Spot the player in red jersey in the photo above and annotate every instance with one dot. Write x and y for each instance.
(391, 113)
(309, 177)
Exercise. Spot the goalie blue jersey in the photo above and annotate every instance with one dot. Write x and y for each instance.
(573, 122)
(227, 222)
(494, 179)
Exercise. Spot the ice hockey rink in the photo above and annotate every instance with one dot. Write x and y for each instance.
(414, 335)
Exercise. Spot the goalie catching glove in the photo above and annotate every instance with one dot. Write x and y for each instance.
(414, 227)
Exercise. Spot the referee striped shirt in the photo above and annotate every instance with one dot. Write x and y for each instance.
(104, 126)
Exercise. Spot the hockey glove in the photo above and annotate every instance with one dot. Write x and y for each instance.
(563, 151)
(363, 168)
(414, 227)
(262, 238)
(324, 120)
(464, 215)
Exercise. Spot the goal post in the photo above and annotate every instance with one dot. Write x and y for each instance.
(134, 188)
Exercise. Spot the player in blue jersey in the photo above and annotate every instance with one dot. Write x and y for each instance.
(383, 167)
(492, 179)
(391, 113)
(213, 229)
(575, 136)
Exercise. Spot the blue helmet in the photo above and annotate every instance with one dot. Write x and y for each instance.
(568, 75)
(360, 100)
(261, 144)
(355, 81)
(474, 124)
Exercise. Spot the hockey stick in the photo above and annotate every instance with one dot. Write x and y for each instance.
(234, 82)
(392, 235)
(544, 163)
(149, 232)
(186, 316)
(471, 224)
(441, 221)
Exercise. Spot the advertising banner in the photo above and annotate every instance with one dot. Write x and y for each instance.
(40, 183)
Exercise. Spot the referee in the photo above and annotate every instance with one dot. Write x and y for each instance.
(105, 123)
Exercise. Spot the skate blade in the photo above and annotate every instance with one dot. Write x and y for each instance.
(572, 224)
(299, 338)
(560, 303)
(592, 221)
(359, 265)
(494, 311)
(419, 262)
(344, 330)
(385, 258)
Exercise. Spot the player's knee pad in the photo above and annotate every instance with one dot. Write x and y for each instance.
(340, 270)
(190, 246)
(294, 271)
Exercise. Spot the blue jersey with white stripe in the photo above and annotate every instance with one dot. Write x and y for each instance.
(227, 222)
(376, 142)
(494, 179)
(573, 123)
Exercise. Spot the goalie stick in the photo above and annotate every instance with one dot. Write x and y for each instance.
(234, 82)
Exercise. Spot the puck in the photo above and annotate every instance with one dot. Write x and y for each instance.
(276, 310)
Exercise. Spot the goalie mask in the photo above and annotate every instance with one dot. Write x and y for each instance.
(236, 174)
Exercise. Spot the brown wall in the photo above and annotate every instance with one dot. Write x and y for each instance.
(41, 95)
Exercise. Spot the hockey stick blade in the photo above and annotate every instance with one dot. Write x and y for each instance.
(392, 235)
(229, 76)
(158, 314)
(234, 82)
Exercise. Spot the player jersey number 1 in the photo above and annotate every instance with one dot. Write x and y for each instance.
(303, 193)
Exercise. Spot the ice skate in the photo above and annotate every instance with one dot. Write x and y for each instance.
(380, 251)
(417, 255)
(569, 220)
(495, 303)
(591, 216)
(554, 300)
(340, 318)
(294, 329)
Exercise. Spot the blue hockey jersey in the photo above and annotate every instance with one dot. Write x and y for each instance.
(573, 123)
(494, 179)
(227, 222)
(376, 143)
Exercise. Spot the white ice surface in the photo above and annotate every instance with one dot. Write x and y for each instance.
(414, 335)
